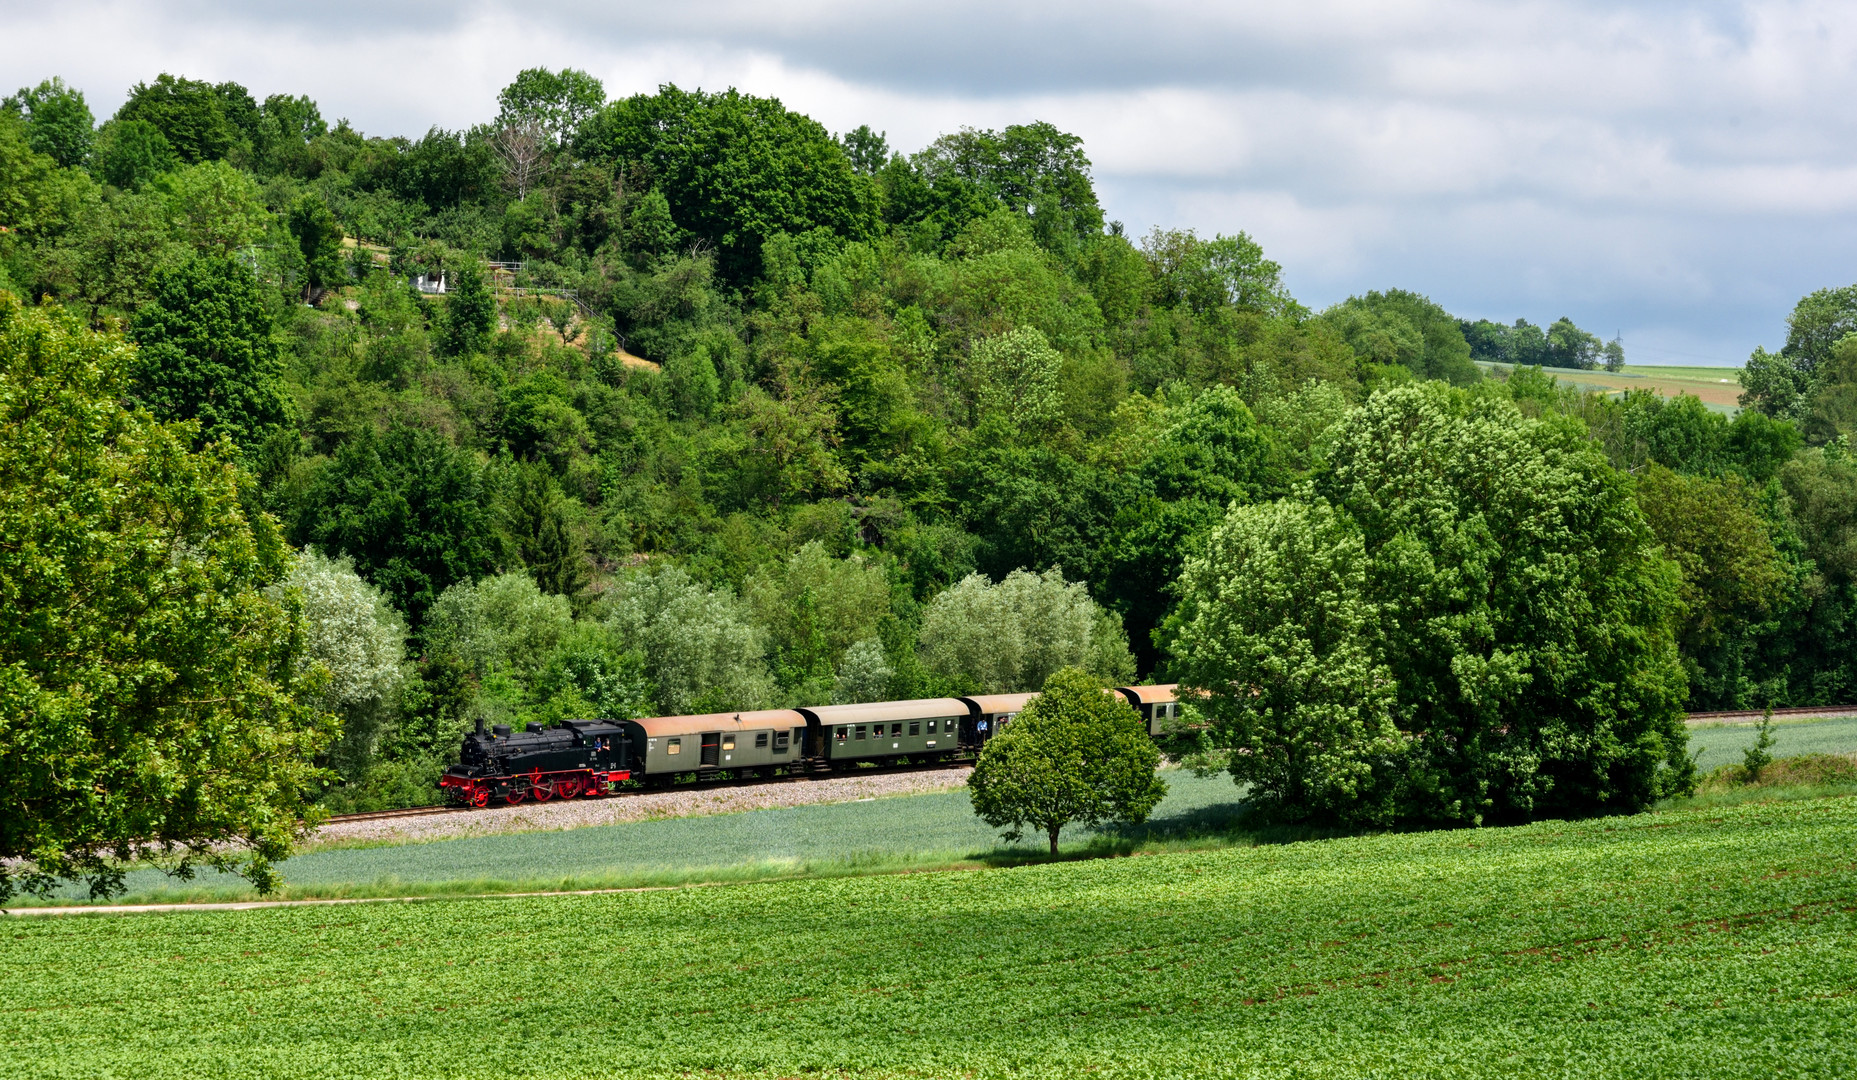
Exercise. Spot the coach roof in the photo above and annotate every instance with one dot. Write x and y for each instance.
(751, 720)
(886, 711)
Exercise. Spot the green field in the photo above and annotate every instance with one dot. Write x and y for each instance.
(1721, 744)
(1698, 943)
(1678, 371)
(886, 834)
(918, 830)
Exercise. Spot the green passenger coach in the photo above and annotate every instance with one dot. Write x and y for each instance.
(929, 729)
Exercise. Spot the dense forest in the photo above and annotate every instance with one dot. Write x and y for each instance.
(682, 403)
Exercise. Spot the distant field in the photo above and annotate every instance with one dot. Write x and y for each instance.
(1672, 371)
(1718, 388)
(1705, 943)
(918, 830)
(1721, 744)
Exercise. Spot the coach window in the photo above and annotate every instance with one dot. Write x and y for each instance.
(931, 727)
(780, 742)
(860, 731)
(915, 727)
(896, 729)
(760, 740)
(674, 746)
(840, 732)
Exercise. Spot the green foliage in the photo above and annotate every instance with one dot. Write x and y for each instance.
(590, 677)
(1010, 637)
(734, 168)
(1831, 411)
(1034, 170)
(37, 198)
(132, 153)
(208, 352)
(470, 312)
(214, 207)
(1783, 384)
(1734, 579)
(1400, 327)
(557, 102)
(500, 624)
(702, 649)
(410, 509)
(199, 120)
(151, 702)
(1464, 617)
(58, 123)
(865, 674)
(1760, 755)
(358, 641)
(538, 522)
(1075, 755)
(1016, 377)
(319, 241)
(1205, 275)
(814, 608)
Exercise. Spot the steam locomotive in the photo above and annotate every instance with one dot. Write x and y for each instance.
(587, 757)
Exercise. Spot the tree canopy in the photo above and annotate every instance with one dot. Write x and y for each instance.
(1075, 756)
(151, 702)
(1463, 617)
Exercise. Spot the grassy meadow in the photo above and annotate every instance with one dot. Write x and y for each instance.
(884, 835)
(1716, 942)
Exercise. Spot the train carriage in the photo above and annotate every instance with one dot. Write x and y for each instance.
(1158, 705)
(988, 713)
(843, 734)
(717, 743)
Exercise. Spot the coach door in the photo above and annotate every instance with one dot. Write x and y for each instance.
(712, 749)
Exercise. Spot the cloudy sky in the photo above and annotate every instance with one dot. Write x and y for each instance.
(1679, 173)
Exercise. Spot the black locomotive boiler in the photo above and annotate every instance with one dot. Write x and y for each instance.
(581, 757)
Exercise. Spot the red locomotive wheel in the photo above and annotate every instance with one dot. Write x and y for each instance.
(480, 798)
(515, 796)
(567, 789)
(542, 792)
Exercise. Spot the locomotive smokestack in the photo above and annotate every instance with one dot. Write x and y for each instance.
(480, 725)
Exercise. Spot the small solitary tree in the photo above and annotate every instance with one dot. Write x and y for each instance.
(1760, 755)
(1075, 756)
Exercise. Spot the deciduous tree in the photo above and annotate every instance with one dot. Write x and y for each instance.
(1074, 756)
(208, 352)
(152, 703)
(1465, 617)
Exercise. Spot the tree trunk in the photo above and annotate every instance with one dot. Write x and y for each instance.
(1053, 831)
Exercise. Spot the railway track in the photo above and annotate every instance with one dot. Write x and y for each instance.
(700, 785)
(1754, 715)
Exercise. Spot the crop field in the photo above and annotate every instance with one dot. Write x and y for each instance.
(1710, 943)
(1721, 744)
(1718, 388)
(895, 833)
